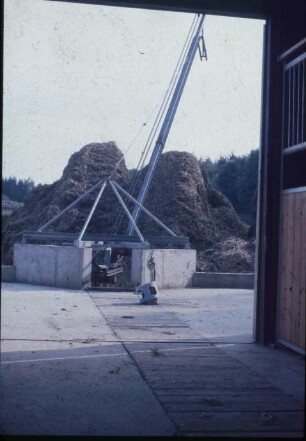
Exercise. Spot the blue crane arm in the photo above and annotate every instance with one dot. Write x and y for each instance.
(166, 126)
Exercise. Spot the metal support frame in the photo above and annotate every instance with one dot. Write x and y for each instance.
(102, 239)
(114, 239)
(110, 182)
(145, 210)
(57, 216)
(92, 210)
(293, 118)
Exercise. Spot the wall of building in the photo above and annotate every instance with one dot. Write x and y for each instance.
(8, 273)
(174, 268)
(51, 265)
(292, 283)
(223, 280)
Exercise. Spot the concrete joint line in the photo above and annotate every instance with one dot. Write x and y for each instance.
(142, 376)
(62, 358)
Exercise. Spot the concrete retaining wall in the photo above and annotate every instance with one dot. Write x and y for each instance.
(51, 265)
(8, 273)
(223, 280)
(174, 267)
(70, 267)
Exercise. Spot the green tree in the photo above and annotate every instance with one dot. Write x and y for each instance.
(236, 177)
(17, 190)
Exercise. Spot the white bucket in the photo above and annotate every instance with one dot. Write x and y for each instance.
(147, 293)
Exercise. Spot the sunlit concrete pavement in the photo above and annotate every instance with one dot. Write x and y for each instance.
(97, 363)
(64, 372)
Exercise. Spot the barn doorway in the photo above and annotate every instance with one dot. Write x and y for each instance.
(218, 120)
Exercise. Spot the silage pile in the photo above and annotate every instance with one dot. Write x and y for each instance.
(84, 169)
(180, 195)
(234, 255)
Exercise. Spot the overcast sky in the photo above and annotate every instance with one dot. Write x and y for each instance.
(77, 74)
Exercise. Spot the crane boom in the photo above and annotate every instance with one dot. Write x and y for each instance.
(194, 40)
(166, 126)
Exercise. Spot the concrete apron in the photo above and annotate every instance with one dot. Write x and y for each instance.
(109, 366)
(64, 371)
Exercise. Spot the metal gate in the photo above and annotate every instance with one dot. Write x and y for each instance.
(292, 257)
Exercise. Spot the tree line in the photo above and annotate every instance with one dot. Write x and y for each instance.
(17, 190)
(237, 178)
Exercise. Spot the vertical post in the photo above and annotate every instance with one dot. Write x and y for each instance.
(270, 186)
(303, 101)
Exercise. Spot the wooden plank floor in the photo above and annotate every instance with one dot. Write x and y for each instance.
(203, 390)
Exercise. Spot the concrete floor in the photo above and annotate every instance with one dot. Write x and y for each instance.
(98, 363)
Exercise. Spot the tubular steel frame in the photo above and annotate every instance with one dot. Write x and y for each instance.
(122, 240)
